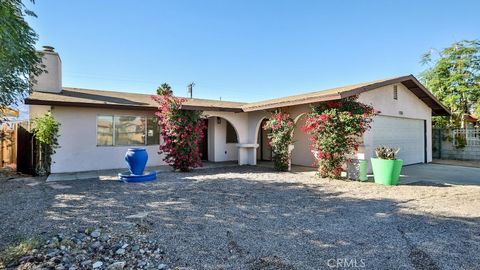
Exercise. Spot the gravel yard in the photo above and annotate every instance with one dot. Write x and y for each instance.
(251, 218)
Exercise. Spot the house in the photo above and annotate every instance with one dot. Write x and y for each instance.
(97, 127)
(469, 121)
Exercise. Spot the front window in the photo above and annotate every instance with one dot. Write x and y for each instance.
(153, 131)
(127, 130)
(105, 130)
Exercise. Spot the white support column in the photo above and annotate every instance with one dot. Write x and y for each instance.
(247, 153)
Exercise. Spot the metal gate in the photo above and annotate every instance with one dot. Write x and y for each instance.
(437, 135)
(25, 150)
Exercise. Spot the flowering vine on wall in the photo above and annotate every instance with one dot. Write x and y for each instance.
(336, 128)
(280, 127)
(181, 131)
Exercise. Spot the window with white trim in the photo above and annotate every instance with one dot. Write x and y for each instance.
(125, 130)
(395, 92)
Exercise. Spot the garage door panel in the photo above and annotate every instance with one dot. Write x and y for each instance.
(404, 133)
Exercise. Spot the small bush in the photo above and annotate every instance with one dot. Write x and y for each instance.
(336, 129)
(181, 131)
(17, 250)
(45, 130)
(281, 127)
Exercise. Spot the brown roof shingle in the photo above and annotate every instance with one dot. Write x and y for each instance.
(120, 100)
(99, 98)
(345, 91)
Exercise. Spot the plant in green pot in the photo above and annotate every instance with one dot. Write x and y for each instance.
(386, 167)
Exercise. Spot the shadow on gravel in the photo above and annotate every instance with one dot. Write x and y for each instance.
(225, 218)
(426, 184)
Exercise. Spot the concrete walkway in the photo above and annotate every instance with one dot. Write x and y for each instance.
(412, 174)
(113, 174)
(440, 174)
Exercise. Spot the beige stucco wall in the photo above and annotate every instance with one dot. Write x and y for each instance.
(301, 154)
(407, 106)
(37, 110)
(50, 81)
(218, 148)
(381, 99)
(79, 152)
(78, 142)
(238, 120)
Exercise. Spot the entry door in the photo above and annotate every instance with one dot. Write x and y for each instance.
(203, 146)
(264, 152)
(404, 133)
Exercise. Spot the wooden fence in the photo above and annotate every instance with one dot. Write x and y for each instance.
(18, 147)
(8, 143)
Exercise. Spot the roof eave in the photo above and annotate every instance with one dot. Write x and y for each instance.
(438, 110)
(210, 108)
(29, 101)
(442, 110)
(251, 108)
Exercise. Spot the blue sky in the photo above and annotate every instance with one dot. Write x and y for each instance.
(245, 50)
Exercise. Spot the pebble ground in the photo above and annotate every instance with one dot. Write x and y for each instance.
(255, 218)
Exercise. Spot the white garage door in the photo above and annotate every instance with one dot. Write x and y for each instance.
(404, 133)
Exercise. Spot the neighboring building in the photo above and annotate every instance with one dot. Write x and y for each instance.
(469, 121)
(9, 114)
(97, 127)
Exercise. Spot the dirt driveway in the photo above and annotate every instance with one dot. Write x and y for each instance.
(254, 218)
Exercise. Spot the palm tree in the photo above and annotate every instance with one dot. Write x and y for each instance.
(164, 89)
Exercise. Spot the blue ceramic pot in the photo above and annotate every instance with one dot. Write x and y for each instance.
(136, 159)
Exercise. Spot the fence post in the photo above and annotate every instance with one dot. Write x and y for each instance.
(440, 139)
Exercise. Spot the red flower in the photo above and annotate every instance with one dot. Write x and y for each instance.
(334, 127)
(181, 135)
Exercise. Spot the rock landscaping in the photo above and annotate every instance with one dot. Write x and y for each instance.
(237, 218)
(94, 249)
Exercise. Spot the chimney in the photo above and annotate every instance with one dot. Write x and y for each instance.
(51, 80)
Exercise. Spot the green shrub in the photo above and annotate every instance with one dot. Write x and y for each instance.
(45, 130)
(17, 250)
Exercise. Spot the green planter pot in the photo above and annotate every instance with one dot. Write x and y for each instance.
(362, 170)
(386, 172)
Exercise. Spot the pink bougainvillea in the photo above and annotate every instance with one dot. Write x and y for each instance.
(181, 131)
(280, 127)
(336, 128)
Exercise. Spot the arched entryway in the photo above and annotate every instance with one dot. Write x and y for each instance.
(264, 151)
(301, 154)
(221, 140)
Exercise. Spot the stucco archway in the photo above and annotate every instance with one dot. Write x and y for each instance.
(264, 151)
(222, 139)
(301, 154)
